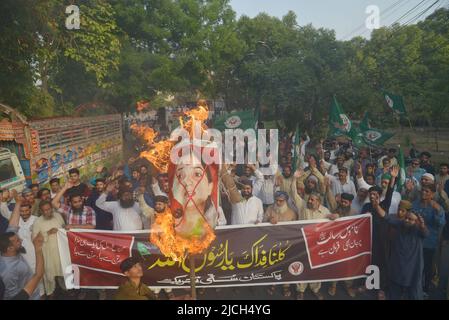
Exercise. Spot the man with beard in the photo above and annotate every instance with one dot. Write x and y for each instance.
(246, 208)
(280, 212)
(406, 263)
(147, 211)
(14, 270)
(342, 184)
(443, 176)
(44, 194)
(426, 163)
(433, 215)
(77, 215)
(125, 212)
(26, 223)
(29, 197)
(385, 181)
(103, 218)
(48, 224)
(160, 205)
(313, 210)
(345, 205)
(378, 209)
(315, 182)
(344, 210)
(161, 186)
(412, 191)
(359, 201)
(287, 182)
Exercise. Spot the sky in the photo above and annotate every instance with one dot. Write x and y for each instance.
(346, 17)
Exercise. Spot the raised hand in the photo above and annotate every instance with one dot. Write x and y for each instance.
(68, 184)
(359, 169)
(395, 171)
(409, 185)
(110, 187)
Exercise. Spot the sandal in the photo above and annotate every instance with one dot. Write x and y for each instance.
(318, 295)
(170, 295)
(381, 295)
(271, 290)
(351, 292)
(332, 291)
(287, 293)
(201, 291)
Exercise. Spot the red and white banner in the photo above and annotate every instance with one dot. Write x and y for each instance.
(265, 254)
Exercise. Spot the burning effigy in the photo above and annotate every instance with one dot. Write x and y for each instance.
(187, 225)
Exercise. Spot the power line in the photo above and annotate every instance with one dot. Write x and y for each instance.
(363, 25)
(421, 14)
(408, 13)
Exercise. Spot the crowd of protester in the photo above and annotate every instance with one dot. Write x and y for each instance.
(322, 179)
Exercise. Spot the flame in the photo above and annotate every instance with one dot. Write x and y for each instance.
(142, 105)
(169, 242)
(201, 114)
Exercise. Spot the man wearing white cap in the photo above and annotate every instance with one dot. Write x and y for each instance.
(414, 193)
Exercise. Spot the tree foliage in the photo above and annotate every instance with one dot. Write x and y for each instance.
(127, 50)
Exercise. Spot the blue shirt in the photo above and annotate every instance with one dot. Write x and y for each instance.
(434, 220)
(15, 273)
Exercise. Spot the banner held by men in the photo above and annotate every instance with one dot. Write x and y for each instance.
(291, 252)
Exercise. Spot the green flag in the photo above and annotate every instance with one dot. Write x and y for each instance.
(395, 102)
(376, 137)
(364, 124)
(339, 123)
(356, 136)
(402, 174)
(372, 136)
(236, 120)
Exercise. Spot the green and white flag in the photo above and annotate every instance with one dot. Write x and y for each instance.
(395, 102)
(236, 120)
(372, 136)
(356, 136)
(339, 122)
(364, 124)
(376, 137)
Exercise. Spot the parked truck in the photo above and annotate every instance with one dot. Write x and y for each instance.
(34, 151)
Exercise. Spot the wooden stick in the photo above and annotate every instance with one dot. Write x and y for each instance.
(192, 276)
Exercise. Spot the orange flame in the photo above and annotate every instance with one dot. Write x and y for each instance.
(171, 244)
(166, 238)
(142, 105)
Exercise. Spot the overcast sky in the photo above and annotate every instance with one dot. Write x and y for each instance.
(344, 16)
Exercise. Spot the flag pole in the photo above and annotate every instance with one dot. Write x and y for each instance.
(192, 276)
(410, 123)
